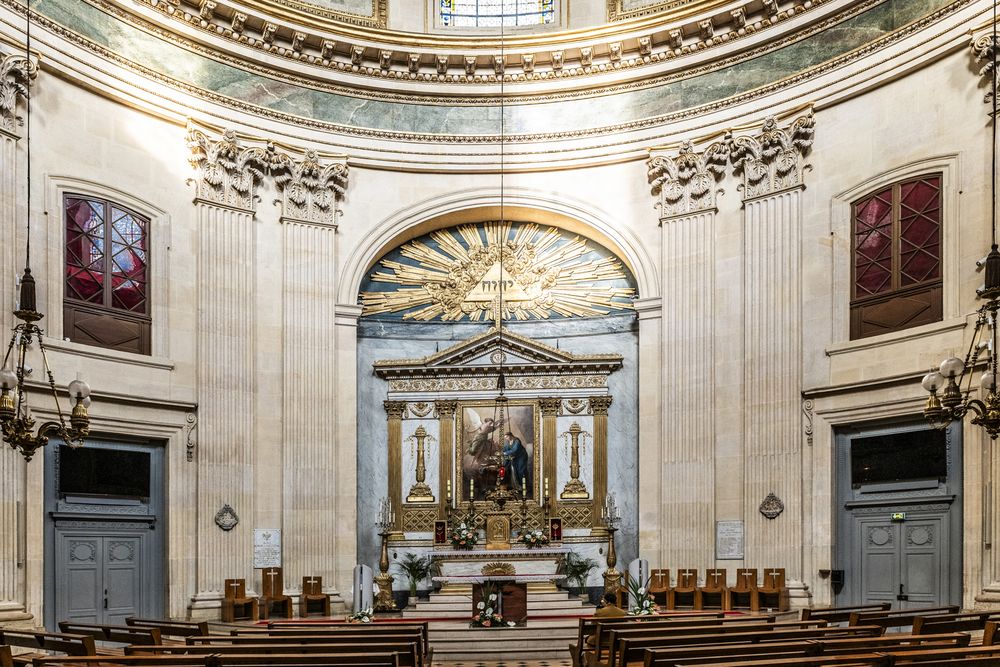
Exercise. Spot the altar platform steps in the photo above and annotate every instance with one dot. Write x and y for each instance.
(454, 602)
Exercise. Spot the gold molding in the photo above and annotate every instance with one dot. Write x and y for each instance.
(306, 12)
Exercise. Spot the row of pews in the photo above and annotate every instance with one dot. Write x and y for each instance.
(854, 636)
(716, 593)
(155, 643)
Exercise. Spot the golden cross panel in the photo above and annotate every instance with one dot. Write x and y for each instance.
(460, 273)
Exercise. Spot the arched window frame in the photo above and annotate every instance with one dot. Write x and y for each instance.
(56, 189)
(843, 237)
(435, 9)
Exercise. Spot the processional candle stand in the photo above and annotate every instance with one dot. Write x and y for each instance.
(385, 523)
(611, 517)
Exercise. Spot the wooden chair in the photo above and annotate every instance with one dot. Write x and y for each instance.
(713, 593)
(687, 585)
(274, 593)
(312, 592)
(659, 586)
(773, 590)
(745, 589)
(236, 605)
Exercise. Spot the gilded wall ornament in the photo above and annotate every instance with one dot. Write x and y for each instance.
(771, 507)
(456, 274)
(498, 568)
(226, 518)
(16, 72)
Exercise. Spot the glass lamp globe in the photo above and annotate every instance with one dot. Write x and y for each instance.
(78, 389)
(8, 379)
(987, 382)
(932, 381)
(952, 367)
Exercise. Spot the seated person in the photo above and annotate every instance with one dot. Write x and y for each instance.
(608, 609)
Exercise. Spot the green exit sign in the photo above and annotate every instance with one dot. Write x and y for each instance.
(899, 516)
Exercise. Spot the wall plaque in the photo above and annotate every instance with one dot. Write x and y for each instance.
(729, 540)
(266, 547)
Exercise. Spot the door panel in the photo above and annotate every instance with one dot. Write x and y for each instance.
(80, 594)
(101, 579)
(922, 563)
(122, 579)
(879, 557)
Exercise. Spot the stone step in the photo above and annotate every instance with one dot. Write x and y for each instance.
(463, 598)
(434, 605)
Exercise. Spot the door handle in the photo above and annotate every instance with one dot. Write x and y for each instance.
(105, 598)
(901, 597)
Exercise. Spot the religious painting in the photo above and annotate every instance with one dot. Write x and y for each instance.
(494, 448)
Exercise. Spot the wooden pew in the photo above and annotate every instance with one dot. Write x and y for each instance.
(6, 660)
(340, 628)
(407, 650)
(842, 614)
(390, 634)
(898, 618)
(49, 641)
(120, 634)
(592, 627)
(856, 660)
(367, 659)
(962, 622)
(626, 649)
(940, 655)
(169, 628)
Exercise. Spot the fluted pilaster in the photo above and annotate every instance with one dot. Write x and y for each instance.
(394, 459)
(446, 436)
(549, 407)
(599, 406)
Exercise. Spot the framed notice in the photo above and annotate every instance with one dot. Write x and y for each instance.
(266, 547)
(729, 540)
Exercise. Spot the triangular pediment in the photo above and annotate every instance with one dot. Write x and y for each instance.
(485, 350)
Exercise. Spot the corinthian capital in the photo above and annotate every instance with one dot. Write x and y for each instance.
(16, 72)
(228, 172)
(985, 51)
(310, 189)
(772, 160)
(685, 182)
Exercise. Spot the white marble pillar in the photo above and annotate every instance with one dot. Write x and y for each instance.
(348, 522)
(309, 368)
(225, 208)
(771, 165)
(686, 183)
(16, 72)
(651, 540)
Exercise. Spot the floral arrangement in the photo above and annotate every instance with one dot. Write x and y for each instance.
(362, 616)
(464, 537)
(488, 616)
(533, 538)
(644, 604)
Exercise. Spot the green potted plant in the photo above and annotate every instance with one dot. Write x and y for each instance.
(416, 568)
(577, 570)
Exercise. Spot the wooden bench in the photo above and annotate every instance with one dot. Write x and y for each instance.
(899, 618)
(857, 660)
(407, 650)
(842, 614)
(338, 628)
(169, 628)
(367, 659)
(68, 644)
(591, 626)
(395, 635)
(120, 634)
(961, 622)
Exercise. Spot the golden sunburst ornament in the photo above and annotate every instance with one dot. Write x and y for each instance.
(545, 274)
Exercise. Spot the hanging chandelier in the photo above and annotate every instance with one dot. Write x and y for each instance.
(17, 424)
(952, 384)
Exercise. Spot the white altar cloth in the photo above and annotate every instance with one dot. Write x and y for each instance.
(543, 562)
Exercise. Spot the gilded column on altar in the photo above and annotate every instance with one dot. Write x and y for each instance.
(394, 411)
(446, 438)
(549, 407)
(599, 408)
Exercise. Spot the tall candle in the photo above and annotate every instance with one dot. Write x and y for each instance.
(546, 487)
(472, 489)
(524, 488)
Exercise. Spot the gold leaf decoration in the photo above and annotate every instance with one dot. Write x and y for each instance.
(545, 273)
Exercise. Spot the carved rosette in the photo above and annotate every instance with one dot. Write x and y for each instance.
(16, 73)
(228, 172)
(310, 190)
(771, 161)
(984, 50)
(686, 182)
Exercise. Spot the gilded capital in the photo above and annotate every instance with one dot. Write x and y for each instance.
(228, 171)
(685, 182)
(311, 189)
(394, 409)
(772, 160)
(599, 404)
(16, 73)
(446, 409)
(549, 406)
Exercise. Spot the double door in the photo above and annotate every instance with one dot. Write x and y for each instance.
(904, 562)
(100, 577)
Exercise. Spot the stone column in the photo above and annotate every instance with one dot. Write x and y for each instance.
(771, 165)
(16, 71)
(651, 540)
(549, 408)
(686, 183)
(446, 437)
(310, 191)
(599, 408)
(348, 522)
(228, 174)
(394, 411)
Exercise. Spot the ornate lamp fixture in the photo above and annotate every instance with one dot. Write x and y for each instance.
(955, 377)
(16, 421)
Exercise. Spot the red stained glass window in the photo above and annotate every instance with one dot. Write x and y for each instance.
(897, 257)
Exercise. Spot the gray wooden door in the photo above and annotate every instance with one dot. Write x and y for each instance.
(102, 577)
(902, 562)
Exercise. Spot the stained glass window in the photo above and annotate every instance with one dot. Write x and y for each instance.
(897, 257)
(490, 13)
